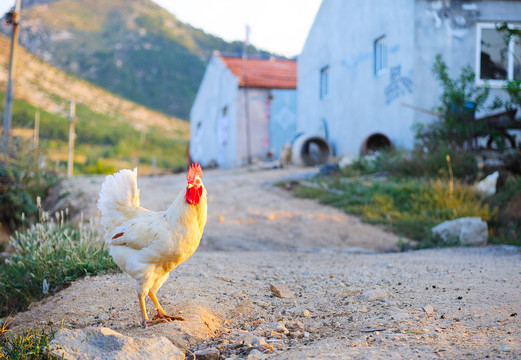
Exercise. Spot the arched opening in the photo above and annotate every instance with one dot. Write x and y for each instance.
(376, 142)
(311, 150)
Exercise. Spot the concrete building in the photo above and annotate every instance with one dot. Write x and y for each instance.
(365, 72)
(244, 111)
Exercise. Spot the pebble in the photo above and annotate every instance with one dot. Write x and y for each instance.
(306, 313)
(207, 354)
(376, 294)
(429, 309)
(281, 290)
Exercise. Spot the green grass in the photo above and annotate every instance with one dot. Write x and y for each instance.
(30, 344)
(409, 207)
(101, 141)
(46, 257)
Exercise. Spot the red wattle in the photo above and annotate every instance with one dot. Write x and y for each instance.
(193, 195)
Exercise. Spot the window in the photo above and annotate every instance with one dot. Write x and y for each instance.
(380, 55)
(495, 59)
(324, 81)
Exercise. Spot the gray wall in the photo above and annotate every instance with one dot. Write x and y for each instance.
(213, 135)
(283, 119)
(361, 103)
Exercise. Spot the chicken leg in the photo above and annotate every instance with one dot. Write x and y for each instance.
(161, 316)
(160, 312)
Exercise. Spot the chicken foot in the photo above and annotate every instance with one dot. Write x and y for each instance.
(160, 312)
(161, 316)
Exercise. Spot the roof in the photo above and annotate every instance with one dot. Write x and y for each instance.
(263, 73)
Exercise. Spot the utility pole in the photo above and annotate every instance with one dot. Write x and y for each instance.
(14, 19)
(246, 100)
(72, 135)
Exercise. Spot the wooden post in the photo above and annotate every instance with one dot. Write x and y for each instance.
(72, 135)
(9, 92)
(37, 129)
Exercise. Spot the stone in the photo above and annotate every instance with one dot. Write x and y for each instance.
(281, 290)
(376, 294)
(207, 354)
(429, 309)
(487, 186)
(467, 231)
(101, 343)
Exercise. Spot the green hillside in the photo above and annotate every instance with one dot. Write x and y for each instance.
(133, 48)
(103, 144)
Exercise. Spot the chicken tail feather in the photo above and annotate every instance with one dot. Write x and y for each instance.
(119, 192)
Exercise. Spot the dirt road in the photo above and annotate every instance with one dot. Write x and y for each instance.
(350, 297)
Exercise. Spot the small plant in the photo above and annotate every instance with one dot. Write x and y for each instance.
(22, 180)
(461, 99)
(46, 257)
(30, 344)
(408, 207)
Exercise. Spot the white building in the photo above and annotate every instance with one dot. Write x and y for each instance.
(244, 111)
(365, 73)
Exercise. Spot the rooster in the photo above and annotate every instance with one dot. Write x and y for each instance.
(146, 244)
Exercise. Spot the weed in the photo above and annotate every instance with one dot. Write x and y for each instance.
(30, 344)
(408, 207)
(46, 257)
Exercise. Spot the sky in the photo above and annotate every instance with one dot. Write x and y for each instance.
(278, 26)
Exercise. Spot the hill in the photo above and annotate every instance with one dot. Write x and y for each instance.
(112, 132)
(133, 48)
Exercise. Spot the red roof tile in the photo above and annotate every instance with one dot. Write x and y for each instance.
(263, 73)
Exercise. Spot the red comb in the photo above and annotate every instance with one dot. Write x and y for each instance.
(193, 170)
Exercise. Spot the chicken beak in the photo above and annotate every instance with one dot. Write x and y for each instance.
(190, 186)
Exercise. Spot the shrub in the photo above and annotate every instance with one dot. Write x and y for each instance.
(408, 207)
(30, 344)
(46, 257)
(22, 180)
(461, 99)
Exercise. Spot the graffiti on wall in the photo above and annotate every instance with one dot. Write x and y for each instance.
(399, 85)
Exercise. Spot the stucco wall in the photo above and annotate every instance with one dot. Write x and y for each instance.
(213, 134)
(360, 102)
(257, 121)
(283, 119)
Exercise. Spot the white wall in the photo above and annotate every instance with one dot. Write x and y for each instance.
(361, 103)
(215, 138)
(257, 122)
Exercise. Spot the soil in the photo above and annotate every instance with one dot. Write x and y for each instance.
(348, 292)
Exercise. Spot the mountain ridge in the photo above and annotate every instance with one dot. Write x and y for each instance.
(133, 48)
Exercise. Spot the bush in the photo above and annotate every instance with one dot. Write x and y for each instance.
(461, 99)
(419, 163)
(22, 180)
(408, 207)
(30, 344)
(46, 257)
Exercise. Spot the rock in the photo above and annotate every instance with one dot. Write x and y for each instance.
(376, 294)
(306, 313)
(468, 231)
(246, 339)
(487, 186)
(429, 309)
(281, 290)
(346, 161)
(106, 344)
(207, 354)
(259, 341)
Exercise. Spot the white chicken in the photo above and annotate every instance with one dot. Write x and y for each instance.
(146, 244)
